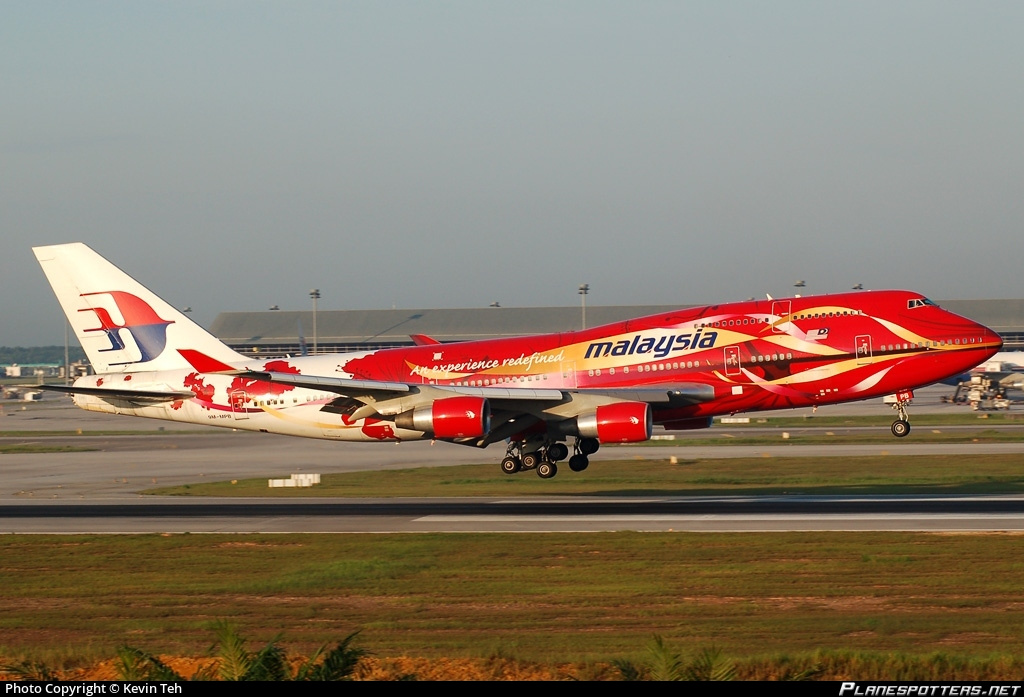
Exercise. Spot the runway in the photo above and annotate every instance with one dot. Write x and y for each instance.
(97, 491)
(576, 514)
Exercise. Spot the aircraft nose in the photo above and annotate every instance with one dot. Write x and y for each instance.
(996, 338)
(989, 338)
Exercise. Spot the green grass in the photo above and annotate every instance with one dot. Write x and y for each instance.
(533, 597)
(882, 474)
(41, 448)
(882, 606)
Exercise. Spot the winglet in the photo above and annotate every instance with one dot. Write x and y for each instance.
(205, 364)
(423, 340)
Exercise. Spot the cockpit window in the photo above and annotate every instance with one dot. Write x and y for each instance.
(919, 302)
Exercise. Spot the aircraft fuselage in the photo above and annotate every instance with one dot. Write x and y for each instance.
(744, 357)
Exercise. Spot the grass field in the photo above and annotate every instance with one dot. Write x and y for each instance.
(882, 474)
(842, 605)
(874, 601)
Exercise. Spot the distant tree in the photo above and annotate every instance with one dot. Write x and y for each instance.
(39, 354)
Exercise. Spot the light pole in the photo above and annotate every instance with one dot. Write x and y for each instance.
(315, 295)
(584, 289)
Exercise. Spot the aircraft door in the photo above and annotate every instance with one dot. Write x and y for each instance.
(732, 360)
(237, 400)
(781, 309)
(569, 375)
(862, 344)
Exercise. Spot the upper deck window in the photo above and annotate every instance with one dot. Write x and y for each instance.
(919, 302)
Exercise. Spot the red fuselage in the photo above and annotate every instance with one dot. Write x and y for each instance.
(755, 355)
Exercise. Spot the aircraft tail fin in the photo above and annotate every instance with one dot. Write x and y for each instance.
(122, 325)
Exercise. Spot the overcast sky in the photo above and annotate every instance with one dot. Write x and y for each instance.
(233, 155)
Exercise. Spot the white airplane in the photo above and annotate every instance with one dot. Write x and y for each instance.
(1003, 361)
(605, 384)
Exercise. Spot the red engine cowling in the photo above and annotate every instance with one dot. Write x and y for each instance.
(622, 422)
(455, 417)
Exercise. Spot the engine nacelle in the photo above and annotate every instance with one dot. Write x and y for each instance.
(621, 422)
(454, 417)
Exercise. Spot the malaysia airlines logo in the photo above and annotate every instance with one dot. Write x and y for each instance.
(143, 324)
(660, 346)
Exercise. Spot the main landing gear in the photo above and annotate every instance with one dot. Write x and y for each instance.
(544, 456)
(901, 426)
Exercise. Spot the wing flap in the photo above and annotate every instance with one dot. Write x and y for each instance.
(678, 395)
(505, 393)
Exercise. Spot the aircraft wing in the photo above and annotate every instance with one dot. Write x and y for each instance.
(389, 398)
(669, 395)
(513, 409)
(347, 387)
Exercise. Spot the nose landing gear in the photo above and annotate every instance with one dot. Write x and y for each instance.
(901, 426)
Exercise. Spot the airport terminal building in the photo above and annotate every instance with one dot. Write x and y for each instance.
(281, 332)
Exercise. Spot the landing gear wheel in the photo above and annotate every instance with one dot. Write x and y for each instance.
(558, 451)
(547, 470)
(531, 460)
(901, 426)
(589, 446)
(578, 463)
(511, 465)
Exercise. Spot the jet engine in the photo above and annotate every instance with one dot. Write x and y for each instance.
(621, 422)
(454, 417)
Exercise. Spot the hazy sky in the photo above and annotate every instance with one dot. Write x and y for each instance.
(233, 155)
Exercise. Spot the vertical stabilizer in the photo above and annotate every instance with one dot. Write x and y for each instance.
(122, 325)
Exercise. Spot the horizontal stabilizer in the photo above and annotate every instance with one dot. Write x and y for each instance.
(111, 393)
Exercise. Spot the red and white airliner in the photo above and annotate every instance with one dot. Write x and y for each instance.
(608, 384)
